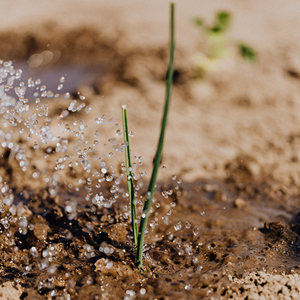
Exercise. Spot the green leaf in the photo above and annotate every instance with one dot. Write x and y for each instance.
(247, 53)
(158, 154)
(130, 177)
(197, 21)
(222, 22)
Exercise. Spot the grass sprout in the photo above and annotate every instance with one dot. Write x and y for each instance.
(130, 178)
(216, 47)
(140, 236)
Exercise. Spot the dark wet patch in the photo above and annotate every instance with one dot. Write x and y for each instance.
(205, 238)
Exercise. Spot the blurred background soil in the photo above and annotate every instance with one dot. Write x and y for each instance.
(243, 109)
(239, 123)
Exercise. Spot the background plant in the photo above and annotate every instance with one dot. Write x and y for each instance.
(217, 45)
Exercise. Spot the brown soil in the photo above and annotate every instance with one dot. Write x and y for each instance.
(226, 226)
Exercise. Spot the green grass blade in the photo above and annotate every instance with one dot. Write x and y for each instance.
(158, 155)
(130, 178)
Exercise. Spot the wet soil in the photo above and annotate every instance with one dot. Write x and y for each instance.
(202, 239)
(226, 226)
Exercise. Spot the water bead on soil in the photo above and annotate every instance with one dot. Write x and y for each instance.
(196, 231)
(178, 226)
(143, 291)
(188, 225)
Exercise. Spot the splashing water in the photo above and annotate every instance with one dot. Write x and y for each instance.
(45, 133)
(27, 115)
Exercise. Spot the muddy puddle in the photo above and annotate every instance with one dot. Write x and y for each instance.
(60, 78)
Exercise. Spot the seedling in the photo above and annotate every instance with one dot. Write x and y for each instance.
(139, 236)
(216, 46)
(130, 178)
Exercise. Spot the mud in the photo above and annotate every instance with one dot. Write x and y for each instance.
(225, 222)
(201, 242)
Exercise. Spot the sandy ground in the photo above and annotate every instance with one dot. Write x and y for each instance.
(240, 110)
(241, 117)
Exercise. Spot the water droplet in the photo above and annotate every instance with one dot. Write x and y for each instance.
(196, 231)
(71, 209)
(109, 178)
(164, 194)
(130, 293)
(33, 251)
(52, 269)
(188, 225)
(35, 174)
(143, 291)
(170, 192)
(199, 269)
(23, 222)
(88, 109)
(178, 226)
(170, 236)
(49, 150)
(100, 120)
(18, 73)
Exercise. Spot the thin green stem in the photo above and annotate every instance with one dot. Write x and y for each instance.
(130, 178)
(158, 155)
